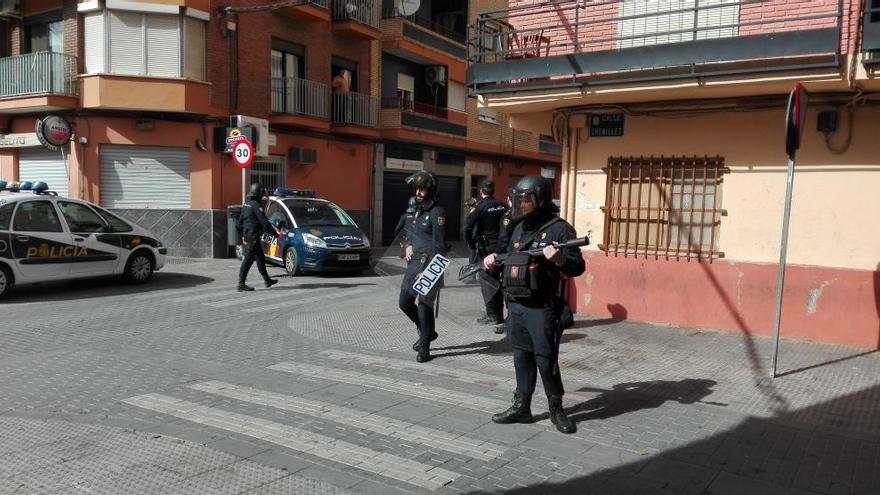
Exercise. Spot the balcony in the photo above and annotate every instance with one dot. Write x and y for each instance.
(38, 82)
(306, 11)
(355, 114)
(424, 42)
(871, 33)
(614, 42)
(356, 18)
(424, 116)
(298, 102)
(145, 93)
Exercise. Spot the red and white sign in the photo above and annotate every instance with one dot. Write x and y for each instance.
(242, 153)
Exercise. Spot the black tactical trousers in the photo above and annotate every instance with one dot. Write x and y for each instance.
(252, 251)
(535, 340)
(418, 310)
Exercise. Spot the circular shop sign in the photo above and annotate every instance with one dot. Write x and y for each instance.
(243, 153)
(53, 132)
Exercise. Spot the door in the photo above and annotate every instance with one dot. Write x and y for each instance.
(145, 177)
(450, 198)
(44, 165)
(42, 249)
(395, 197)
(99, 249)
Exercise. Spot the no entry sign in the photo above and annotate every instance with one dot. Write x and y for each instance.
(242, 153)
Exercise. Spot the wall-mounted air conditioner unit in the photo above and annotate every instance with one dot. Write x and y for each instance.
(436, 75)
(302, 155)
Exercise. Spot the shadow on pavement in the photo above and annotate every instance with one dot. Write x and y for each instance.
(336, 285)
(87, 288)
(829, 447)
(629, 397)
(490, 347)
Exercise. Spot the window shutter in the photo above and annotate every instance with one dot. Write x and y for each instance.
(163, 45)
(126, 43)
(405, 82)
(93, 25)
(456, 97)
(194, 54)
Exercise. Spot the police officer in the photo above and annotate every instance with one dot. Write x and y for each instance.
(533, 289)
(407, 216)
(253, 225)
(481, 233)
(425, 237)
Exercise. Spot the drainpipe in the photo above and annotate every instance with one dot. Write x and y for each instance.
(572, 177)
(563, 186)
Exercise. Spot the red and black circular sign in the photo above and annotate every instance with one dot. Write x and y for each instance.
(53, 132)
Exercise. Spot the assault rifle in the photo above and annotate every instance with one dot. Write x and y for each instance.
(472, 269)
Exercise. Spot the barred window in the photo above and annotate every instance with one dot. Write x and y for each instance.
(666, 206)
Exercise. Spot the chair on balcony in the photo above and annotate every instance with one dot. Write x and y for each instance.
(530, 45)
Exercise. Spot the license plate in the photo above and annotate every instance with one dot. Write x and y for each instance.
(348, 257)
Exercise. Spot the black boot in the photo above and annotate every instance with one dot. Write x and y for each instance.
(270, 282)
(418, 343)
(499, 329)
(558, 416)
(244, 288)
(519, 412)
(424, 354)
(486, 319)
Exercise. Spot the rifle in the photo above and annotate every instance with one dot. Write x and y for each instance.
(472, 269)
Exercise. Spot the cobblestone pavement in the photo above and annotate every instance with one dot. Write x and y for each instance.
(186, 386)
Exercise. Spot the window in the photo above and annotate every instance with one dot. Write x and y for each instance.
(488, 115)
(288, 66)
(36, 216)
(457, 97)
(268, 172)
(81, 219)
(135, 43)
(663, 207)
(44, 36)
(116, 224)
(317, 214)
(6, 215)
(406, 89)
(646, 22)
(276, 214)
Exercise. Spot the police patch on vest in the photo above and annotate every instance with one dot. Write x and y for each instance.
(441, 220)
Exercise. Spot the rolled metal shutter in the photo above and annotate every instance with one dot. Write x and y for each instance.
(144, 177)
(44, 165)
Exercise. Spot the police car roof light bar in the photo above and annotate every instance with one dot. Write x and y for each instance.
(25, 186)
(40, 187)
(3, 184)
(286, 191)
(13, 186)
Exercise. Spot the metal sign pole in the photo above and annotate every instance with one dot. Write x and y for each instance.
(243, 186)
(780, 274)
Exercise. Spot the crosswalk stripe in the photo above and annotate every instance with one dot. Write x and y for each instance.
(299, 301)
(325, 447)
(384, 425)
(431, 369)
(420, 390)
(276, 294)
(214, 289)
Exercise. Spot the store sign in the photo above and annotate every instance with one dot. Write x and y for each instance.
(53, 132)
(403, 164)
(606, 125)
(236, 134)
(20, 140)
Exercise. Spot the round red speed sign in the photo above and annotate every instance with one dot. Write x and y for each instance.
(243, 153)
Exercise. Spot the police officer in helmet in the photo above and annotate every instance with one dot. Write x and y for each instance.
(407, 216)
(253, 225)
(481, 233)
(425, 237)
(533, 288)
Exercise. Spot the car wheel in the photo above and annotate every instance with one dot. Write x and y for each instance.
(5, 281)
(139, 268)
(291, 263)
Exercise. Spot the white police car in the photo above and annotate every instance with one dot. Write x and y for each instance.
(44, 237)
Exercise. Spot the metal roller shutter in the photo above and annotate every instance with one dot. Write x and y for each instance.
(45, 165)
(144, 177)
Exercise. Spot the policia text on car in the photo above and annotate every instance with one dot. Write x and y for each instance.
(533, 287)
(425, 236)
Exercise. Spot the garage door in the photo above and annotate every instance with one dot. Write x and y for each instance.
(46, 165)
(395, 196)
(144, 177)
(450, 198)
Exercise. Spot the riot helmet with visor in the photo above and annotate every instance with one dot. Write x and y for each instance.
(532, 194)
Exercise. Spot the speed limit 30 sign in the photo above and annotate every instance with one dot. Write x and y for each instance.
(242, 153)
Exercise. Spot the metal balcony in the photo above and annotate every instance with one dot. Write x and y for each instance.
(354, 109)
(38, 73)
(583, 43)
(362, 11)
(293, 95)
(427, 23)
(406, 105)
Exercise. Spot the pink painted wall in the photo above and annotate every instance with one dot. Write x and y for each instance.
(832, 305)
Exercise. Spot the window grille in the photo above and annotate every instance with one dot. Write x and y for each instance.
(268, 172)
(663, 206)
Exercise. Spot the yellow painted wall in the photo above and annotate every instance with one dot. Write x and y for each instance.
(836, 197)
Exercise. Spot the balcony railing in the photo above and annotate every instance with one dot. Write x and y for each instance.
(871, 29)
(355, 109)
(298, 96)
(406, 105)
(38, 73)
(616, 41)
(355, 10)
(393, 13)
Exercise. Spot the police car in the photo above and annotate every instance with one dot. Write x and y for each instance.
(45, 237)
(316, 235)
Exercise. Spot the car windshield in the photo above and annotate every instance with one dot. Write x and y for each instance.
(309, 213)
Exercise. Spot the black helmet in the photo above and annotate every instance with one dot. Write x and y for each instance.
(256, 190)
(487, 187)
(423, 180)
(534, 189)
(412, 205)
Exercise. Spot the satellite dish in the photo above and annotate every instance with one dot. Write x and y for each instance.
(407, 7)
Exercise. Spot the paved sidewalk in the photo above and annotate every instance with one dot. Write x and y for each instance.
(186, 386)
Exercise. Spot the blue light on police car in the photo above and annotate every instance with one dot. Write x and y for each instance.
(2, 185)
(13, 186)
(39, 187)
(25, 186)
(286, 191)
